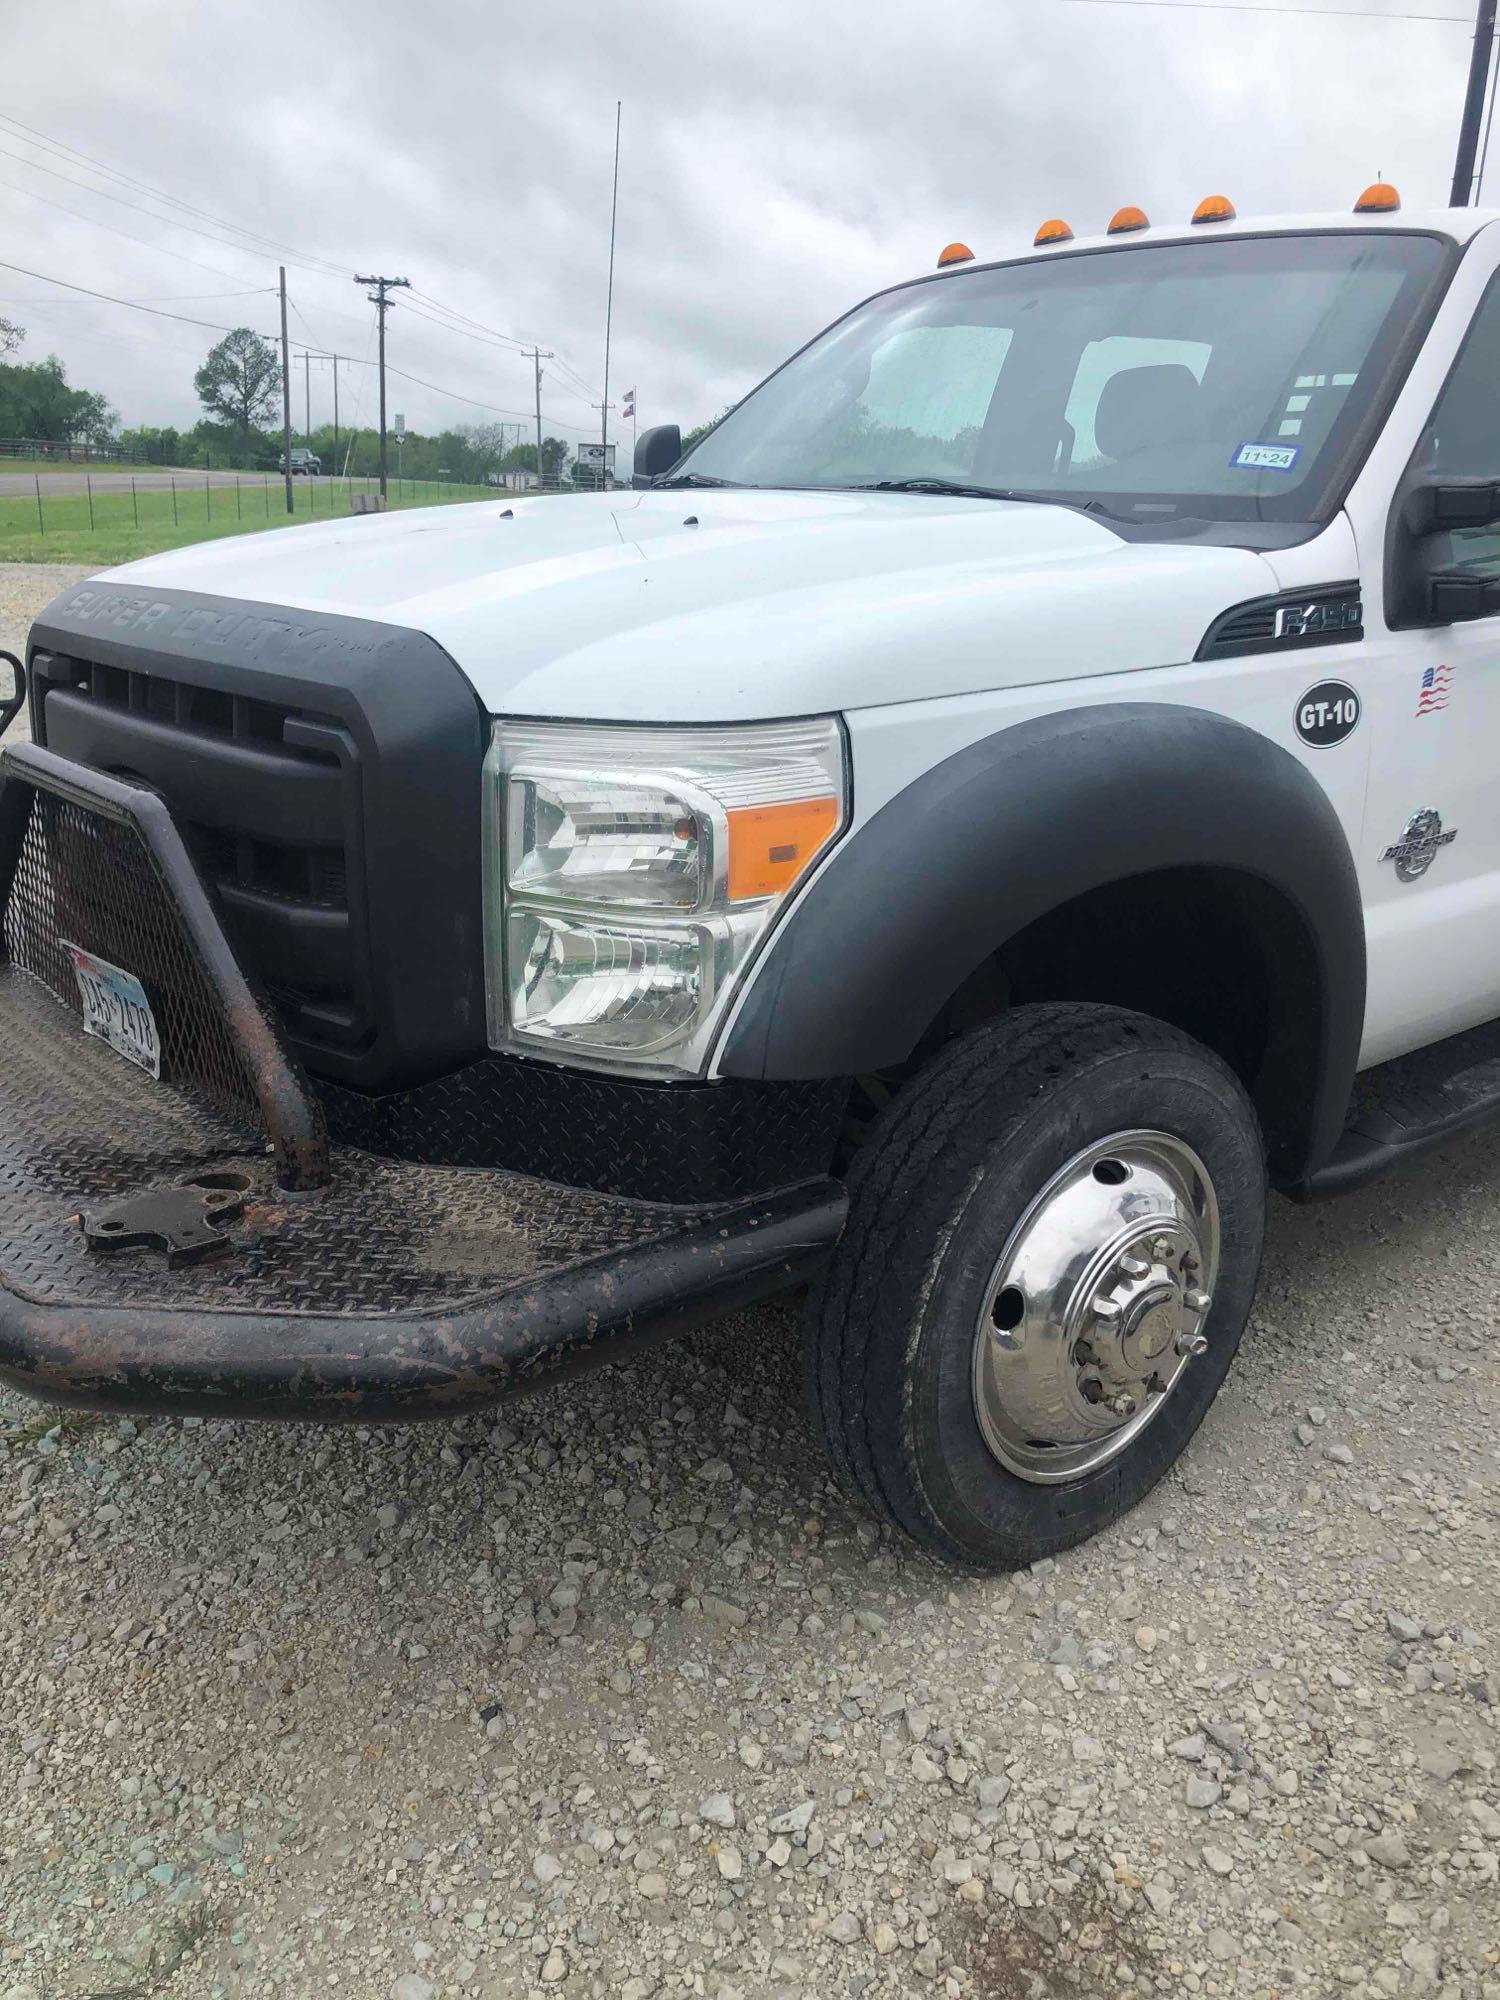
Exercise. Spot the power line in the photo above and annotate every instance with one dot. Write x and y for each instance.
(129, 236)
(62, 150)
(471, 328)
(214, 326)
(468, 324)
(1247, 7)
(103, 194)
(217, 326)
(184, 298)
(477, 329)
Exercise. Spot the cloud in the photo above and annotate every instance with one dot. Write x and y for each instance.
(779, 162)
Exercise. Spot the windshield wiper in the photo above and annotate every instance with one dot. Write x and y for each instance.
(697, 479)
(965, 489)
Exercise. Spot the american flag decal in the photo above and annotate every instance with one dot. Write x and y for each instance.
(1436, 687)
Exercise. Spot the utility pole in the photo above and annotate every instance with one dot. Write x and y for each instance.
(1468, 131)
(286, 398)
(538, 357)
(307, 397)
(334, 358)
(609, 305)
(381, 304)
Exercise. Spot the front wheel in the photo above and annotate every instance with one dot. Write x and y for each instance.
(1053, 1242)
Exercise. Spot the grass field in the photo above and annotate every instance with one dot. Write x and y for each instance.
(117, 525)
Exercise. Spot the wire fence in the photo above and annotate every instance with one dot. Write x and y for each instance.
(74, 451)
(189, 505)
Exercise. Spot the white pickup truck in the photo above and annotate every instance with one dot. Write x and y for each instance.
(1011, 793)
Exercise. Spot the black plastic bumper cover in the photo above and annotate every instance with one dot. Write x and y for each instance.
(397, 1291)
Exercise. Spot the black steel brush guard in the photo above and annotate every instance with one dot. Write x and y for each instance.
(346, 1285)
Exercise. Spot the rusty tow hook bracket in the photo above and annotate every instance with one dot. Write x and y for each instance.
(183, 1222)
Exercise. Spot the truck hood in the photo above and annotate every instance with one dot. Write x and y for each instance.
(724, 605)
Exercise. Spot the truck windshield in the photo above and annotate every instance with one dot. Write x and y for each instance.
(1218, 380)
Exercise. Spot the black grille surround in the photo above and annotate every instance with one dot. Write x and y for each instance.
(325, 770)
(326, 773)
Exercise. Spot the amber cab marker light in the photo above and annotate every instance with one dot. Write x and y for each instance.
(1125, 219)
(955, 253)
(1379, 198)
(1214, 208)
(1055, 230)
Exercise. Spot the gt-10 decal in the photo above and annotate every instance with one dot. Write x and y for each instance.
(1327, 714)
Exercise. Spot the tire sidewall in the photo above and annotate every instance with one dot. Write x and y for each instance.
(989, 1513)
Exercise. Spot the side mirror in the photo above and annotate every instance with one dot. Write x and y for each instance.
(656, 452)
(12, 689)
(1423, 584)
(1438, 506)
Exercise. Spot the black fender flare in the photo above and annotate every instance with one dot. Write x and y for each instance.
(1026, 820)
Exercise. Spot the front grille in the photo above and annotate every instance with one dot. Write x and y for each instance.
(266, 795)
(91, 881)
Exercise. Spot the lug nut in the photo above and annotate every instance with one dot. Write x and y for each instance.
(1134, 1267)
(1121, 1405)
(1161, 1248)
(1107, 1311)
(1196, 1301)
(1191, 1345)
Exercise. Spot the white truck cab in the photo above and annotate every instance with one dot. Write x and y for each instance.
(1012, 792)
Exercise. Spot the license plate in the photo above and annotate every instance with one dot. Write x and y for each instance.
(115, 1008)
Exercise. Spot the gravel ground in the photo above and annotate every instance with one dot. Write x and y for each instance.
(24, 589)
(609, 1695)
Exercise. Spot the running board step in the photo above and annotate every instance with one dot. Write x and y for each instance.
(1407, 1107)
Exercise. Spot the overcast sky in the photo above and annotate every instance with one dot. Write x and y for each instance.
(780, 160)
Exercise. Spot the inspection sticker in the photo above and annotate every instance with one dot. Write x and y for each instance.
(1266, 457)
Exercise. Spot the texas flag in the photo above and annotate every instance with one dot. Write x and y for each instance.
(628, 407)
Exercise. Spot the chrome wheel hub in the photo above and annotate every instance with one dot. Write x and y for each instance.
(1097, 1306)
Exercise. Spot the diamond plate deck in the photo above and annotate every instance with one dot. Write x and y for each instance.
(399, 1289)
(80, 1125)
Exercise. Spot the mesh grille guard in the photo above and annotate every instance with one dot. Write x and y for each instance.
(98, 862)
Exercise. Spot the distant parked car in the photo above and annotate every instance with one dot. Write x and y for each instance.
(304, 462)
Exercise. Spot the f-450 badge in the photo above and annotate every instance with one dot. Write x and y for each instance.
(1307, 621)
(1420, 840)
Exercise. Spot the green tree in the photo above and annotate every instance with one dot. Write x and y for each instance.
(239, 386)
(36, 402)
(702, 430)
(11, 335)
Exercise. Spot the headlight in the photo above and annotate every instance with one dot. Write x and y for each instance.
(630, 875)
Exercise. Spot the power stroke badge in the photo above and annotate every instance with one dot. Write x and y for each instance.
(1327, 714)
(1420, 840)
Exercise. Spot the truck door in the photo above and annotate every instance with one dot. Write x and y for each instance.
(1429, 864)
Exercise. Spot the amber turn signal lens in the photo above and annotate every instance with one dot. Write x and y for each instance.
(1125, 219)
(955, 253)
(1054, 231)
(1214, 208)
(1379, 198)
(769, 846)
